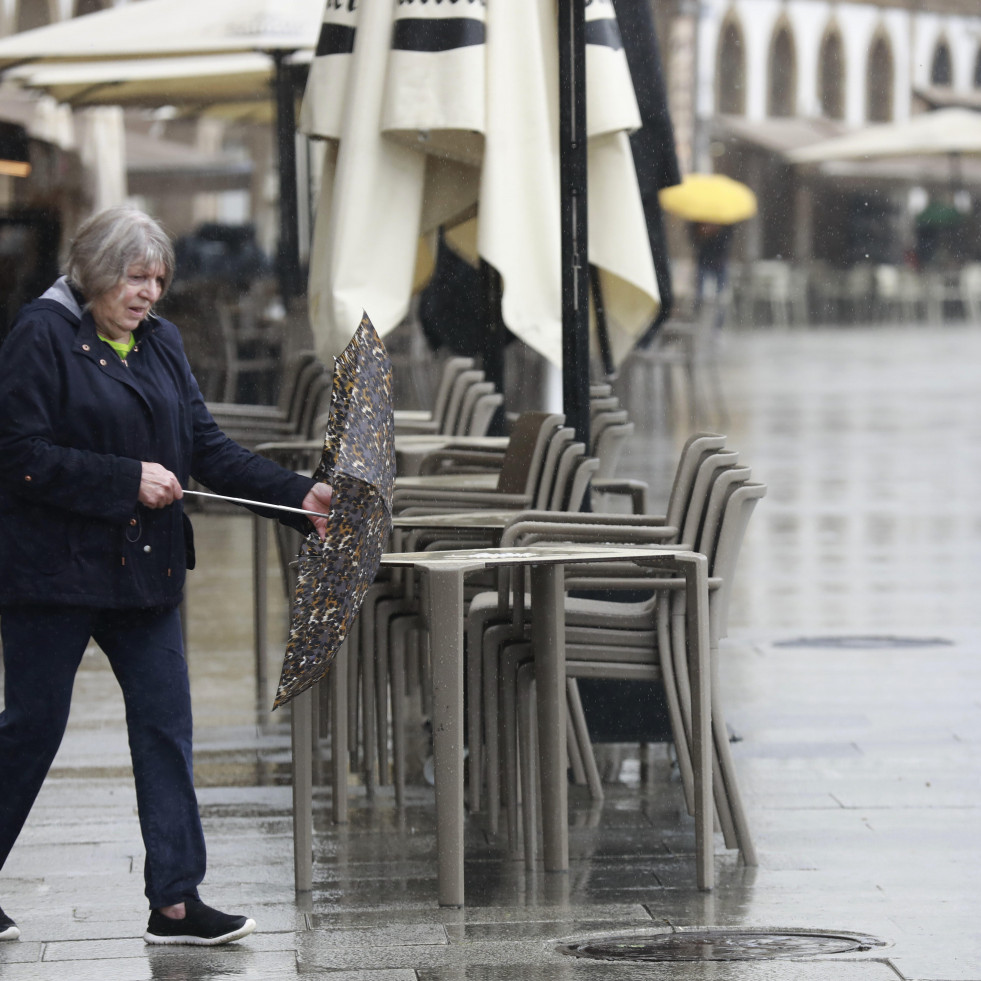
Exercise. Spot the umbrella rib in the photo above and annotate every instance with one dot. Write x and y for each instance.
(258, 504)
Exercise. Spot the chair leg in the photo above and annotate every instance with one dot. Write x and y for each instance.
(492, 641)
(580, 738)
(337, 681)
(400, 629)
(577, 772)
(527, 740)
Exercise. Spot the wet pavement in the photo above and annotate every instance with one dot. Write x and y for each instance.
(852, 682)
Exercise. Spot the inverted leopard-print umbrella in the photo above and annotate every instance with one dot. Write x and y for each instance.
(359, 463)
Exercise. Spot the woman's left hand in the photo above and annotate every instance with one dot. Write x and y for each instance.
(318, 499)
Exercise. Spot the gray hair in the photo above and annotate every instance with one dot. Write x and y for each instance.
(111, 241)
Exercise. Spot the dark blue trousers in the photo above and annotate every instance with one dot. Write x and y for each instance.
(42, 649)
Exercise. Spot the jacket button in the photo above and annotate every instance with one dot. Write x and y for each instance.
(27, 477)
(102, 361)
(85, 347)
(146, 548)
(132, 521)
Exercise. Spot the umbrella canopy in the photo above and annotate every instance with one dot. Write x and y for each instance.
(449, 115)
(941, 132)
(359, 463)
(711, 198)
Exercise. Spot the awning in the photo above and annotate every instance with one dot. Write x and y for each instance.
(786, 137)
(780, 136)
(156, 166)
(196, 85)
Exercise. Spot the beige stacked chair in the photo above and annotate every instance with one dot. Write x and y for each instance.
(491, 625)
(619, 642)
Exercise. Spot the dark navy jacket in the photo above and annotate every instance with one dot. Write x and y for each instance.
(75, 423)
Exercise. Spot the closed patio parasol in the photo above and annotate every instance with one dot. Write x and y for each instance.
(450, 115)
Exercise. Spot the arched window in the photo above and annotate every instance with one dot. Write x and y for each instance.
(879, 82)
(941, 72)
(730, 79)
(831, 76)
(782, 75)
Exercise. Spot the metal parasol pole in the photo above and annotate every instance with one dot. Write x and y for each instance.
(288, 257)
(575, 251)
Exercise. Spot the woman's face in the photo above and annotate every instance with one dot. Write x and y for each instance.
(121, 310)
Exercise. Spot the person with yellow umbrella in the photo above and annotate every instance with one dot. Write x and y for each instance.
(713, 204)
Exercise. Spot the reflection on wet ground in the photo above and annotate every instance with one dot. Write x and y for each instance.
(851, 678)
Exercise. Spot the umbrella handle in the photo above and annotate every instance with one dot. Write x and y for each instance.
(258, 504)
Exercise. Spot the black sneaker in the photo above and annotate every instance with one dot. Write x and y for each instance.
(8, 929)
(201, 925)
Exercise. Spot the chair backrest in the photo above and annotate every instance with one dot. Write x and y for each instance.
(306, 375)
(609, 445)
(541, 490)
(690, 528)
(692, 454)
(451, 368)
(584, 470)
(461, 385)
(608, 433)
(315, 405)
(483, 413)
(525, 455)
(606, 403)
(725, 548)
(726, 480)
(462, 424)
(552, 488)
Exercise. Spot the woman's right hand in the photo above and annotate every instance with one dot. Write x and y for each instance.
(158, 486)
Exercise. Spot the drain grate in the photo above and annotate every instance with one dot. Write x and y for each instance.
(717, 945)
(863, 642)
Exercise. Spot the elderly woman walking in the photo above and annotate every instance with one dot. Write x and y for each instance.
(101, 425)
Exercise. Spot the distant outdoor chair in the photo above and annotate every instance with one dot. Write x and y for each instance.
(943, 294)
(970, 290)
(769, 293)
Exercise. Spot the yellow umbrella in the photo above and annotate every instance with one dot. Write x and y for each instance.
(712, 198)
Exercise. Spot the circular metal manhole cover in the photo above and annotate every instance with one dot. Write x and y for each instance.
(717, 945)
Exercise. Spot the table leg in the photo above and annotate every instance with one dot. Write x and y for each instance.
(301, 720)
(260, 566)
(697, 632)
(445, 623)
(548, 643)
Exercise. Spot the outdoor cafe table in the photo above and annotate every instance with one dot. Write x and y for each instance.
(445, 572)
